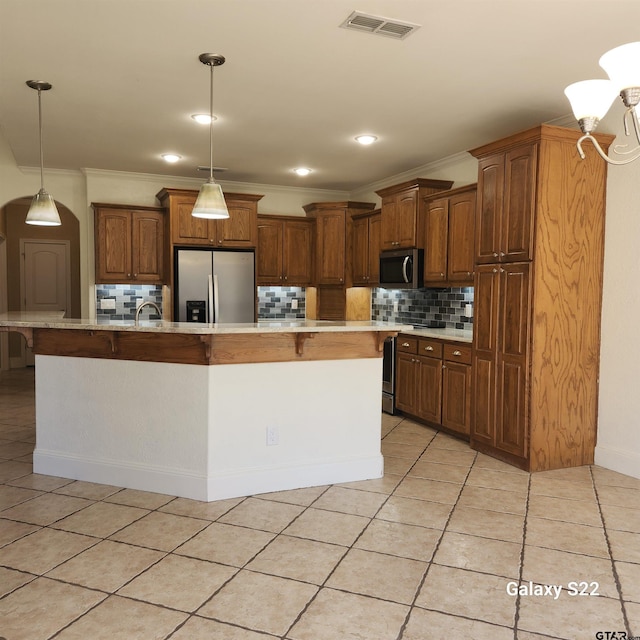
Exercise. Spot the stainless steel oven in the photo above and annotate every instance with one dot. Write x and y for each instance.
(389, 376)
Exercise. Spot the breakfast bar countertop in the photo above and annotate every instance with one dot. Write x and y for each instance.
(52, 320)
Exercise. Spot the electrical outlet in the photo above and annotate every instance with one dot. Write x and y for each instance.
(107, 303)
(395, 305)
(294, 303)
(272, 436)
(468, 311)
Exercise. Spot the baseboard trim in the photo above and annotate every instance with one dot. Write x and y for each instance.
(176, 482)
(620, 460)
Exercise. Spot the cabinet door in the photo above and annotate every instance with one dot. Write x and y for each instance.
(389, 213)
(186, 228)
(407, 373)
(456, 396)
(113, 245)
(406, 218)
(490, 201)
(430, 389)
(436, 226)
(330, 244)
(512, 361)
(516, 243)
(239, 230)
(360, 251)
(462, 220)
(147, 247)
(375, 246)
(485, 337)
(269, 267)
(298, 252)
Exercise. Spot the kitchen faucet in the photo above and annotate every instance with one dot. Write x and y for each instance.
(147, 303)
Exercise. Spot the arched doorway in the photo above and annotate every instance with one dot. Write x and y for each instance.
(21, 250)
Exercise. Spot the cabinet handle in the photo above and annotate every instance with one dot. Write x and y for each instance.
(405, 344)
(429, 348)
(457, 353)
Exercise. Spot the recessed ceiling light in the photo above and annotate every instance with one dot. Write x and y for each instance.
(366, 139)
(171, 157)
(203, 118)
(302, 171)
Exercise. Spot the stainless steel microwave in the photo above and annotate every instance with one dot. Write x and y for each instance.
(402, 269)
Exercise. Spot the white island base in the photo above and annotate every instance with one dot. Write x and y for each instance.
(201, 432)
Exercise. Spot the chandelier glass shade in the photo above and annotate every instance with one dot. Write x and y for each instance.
(591, 99)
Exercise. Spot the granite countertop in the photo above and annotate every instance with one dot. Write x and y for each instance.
(455, 335)
(52, 320)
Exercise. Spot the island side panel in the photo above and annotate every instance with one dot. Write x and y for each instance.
(327, 420)
(140, 425)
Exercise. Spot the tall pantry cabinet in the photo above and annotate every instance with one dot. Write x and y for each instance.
(538, 290)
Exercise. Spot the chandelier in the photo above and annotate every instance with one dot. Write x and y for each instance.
(591, 99)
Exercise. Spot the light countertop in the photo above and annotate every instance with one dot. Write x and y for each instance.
(52, 320)
(456, 335)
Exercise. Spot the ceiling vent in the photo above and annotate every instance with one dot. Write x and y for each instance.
(381, 26)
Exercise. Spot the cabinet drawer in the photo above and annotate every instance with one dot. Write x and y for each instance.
(457, 353)
(431, 348)
(406, 344)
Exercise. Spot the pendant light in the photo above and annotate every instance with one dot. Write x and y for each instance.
(43, 210)
(210, 203)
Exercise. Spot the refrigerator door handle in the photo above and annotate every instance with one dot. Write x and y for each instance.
(210, 303)
(216, 299)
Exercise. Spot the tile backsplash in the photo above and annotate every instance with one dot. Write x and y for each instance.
(424, 307)
(274, 303)
(124, 298)
(418, 307)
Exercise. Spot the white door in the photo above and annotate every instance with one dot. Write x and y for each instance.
(45, 278)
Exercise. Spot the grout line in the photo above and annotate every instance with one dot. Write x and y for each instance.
(616, 577)
(516, 617)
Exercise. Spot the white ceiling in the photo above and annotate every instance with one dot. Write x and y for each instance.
(296, 88)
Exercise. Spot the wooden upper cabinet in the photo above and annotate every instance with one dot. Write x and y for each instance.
(333, 239)
(448, 237)
(506, 205)
(129, 244)
(402, 211)
(240, 230)
(285, 251)
(365, 249)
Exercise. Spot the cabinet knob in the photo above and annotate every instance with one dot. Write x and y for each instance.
(429, 348)
(135, 275)
(457, 353)
(442, 275)
(502, 254)
(501, 270)
(285, 277)
(219, 241)
(469, 274)
(495, 255)
(128, 275)
(494, 270)
(211, 240)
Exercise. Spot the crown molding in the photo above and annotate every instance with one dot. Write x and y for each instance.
(61, 172)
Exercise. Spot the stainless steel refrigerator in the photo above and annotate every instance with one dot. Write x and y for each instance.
(214, 285)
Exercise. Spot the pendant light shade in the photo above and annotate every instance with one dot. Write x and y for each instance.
(43, 210)
(210, 202)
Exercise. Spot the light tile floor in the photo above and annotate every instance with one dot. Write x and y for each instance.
(427, 552)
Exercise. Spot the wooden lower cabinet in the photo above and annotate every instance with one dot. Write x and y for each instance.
(433, 382)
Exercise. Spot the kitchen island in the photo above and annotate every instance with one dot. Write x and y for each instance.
(206, 411)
